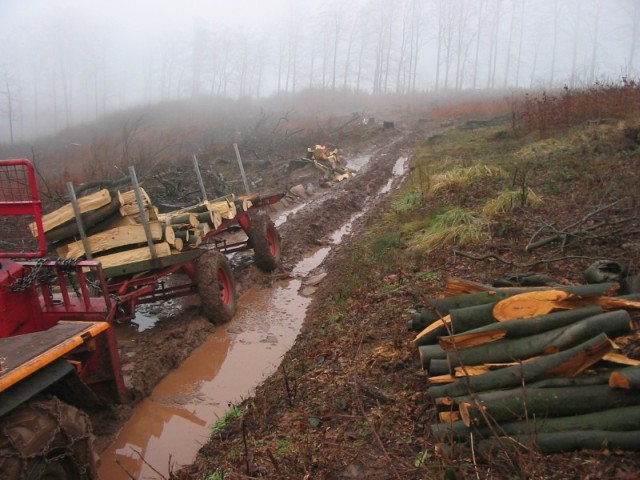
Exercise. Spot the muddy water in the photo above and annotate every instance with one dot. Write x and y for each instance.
(168, 427)
(176, 419)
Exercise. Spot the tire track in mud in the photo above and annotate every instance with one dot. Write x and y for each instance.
(149, 355)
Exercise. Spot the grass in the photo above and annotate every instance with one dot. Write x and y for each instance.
(229, 417)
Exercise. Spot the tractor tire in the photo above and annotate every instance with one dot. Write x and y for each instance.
(47, 439)
(216, 287)
(265, 241)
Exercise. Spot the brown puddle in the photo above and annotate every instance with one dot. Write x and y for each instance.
(176, 419)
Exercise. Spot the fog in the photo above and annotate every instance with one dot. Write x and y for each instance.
(64, 62)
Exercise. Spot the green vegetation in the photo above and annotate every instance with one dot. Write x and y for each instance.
(231, 416)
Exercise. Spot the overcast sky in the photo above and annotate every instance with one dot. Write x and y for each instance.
(66, 61)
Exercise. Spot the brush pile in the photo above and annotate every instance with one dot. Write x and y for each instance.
(533, 367)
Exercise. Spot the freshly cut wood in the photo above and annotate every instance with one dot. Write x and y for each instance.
(451, 416)
(574, 360)
(65, 213)
(628, 379)
(459, 286)
(169, 235)
(468, 340)
(110, 239)
(190, 219)
(531, 304)
(621, 359)
(519, 403)
(226, 208)
(440, 379)
(135, 255)
(178, 244)
(203, 229)
(217, 219)
(151, 213)
(517, 328)
(613, 324)
(618, 302)
(473, 370)
(68, 231)
(430, 334)
(564, 441)
(458, 320)
(129, 202)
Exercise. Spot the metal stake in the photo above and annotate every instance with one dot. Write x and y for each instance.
(77, 213)
(196, 167)
(143, 213)
(244, 177)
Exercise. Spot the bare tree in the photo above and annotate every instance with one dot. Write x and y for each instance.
(576, 43)
(8, 106)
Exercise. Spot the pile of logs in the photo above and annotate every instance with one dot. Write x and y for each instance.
(115, 231)
(531, 367)
(327, 159)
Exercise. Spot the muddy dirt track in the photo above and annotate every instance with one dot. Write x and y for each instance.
(148, 355)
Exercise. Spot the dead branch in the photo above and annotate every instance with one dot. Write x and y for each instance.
(491, 256)
(578, 229)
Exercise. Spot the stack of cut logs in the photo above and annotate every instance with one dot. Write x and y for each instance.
(115, 232)
(534, 367)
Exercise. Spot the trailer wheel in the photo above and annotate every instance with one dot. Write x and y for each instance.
(216, 287)
(265, 241)
(47, 439)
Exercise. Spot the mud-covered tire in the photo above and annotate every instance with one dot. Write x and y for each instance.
(216, 287)
(265, 241)
(47, 439)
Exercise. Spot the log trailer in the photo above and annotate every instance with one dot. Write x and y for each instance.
(58, 349)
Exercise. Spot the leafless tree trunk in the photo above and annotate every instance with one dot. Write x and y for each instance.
(478, 40)
(634, 36)
(508, 62)
(8, 107)
(554, 46)
(576, 43)
(520, 41)
(594, 49)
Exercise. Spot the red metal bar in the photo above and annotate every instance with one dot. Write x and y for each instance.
(20, 206)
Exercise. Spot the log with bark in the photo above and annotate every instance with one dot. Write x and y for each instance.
(570, 362)
(66, 214)
(110, 239)
(531, 402)
(620, 419)
(517, 328)
(134, 255)
(628, 379)
(564, 441)
(613, 324)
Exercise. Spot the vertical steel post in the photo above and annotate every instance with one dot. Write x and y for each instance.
(143, 213)
(196, 167)
(244, 177)
(77, 213)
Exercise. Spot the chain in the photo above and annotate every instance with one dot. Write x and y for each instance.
(34, 276)
(46, 276)
(68, 266)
